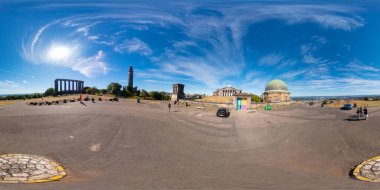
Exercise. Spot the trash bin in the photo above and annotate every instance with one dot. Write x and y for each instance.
(138, 100)
(268, 107)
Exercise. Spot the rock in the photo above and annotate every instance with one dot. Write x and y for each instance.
(8, 178)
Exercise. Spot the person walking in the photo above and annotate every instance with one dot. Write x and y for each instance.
(365, 113)
(361, 111)
(358, 112)
(169, 106)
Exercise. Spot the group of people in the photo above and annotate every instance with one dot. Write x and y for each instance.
(362, 112)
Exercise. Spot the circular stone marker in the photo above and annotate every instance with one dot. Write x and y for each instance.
(26, 168)
(368, 170)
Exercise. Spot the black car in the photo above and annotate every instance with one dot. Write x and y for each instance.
(346, 107)
(223, 112)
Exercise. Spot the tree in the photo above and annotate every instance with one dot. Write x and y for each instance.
(49, 92)
(103, 91)
(85, 89)
(125, 93)
(114, 88)
(144, 93)
(93, 90)
(366, 98)
(256, 98)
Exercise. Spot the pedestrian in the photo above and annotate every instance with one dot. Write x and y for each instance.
(361, 111)
(358, 112)
(169, 106)
(365, 113)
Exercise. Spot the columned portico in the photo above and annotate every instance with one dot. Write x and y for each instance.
(67, 86)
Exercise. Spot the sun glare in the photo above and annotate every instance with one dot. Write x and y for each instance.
(59, 53)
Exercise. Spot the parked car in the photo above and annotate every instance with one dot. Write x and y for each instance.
(223, 112)
(346, 107)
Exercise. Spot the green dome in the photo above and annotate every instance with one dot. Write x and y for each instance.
(276, 85)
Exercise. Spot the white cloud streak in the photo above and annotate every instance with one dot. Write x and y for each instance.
(220, 32)
(133, 45)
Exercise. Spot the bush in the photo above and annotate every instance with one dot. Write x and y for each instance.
(256, 98)
(114, 88)
(49, 92)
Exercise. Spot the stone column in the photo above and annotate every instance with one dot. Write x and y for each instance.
(56, 86)
(65, 86)
(60, 86)
(69, 86)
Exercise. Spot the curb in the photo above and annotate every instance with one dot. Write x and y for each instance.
(60, 169)
(357, 173)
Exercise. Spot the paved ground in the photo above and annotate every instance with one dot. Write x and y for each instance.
(125, 145)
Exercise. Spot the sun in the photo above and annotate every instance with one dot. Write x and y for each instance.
(59, 52)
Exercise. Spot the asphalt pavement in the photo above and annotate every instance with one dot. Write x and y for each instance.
(125, 145)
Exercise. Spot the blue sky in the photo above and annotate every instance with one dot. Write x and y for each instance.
(330, 48)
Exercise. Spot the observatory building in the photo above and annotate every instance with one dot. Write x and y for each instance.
(276, 91)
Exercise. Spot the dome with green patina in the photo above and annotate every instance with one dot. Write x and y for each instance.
(276, 85)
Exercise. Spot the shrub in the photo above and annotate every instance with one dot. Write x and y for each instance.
(256, 98)
(49, 92)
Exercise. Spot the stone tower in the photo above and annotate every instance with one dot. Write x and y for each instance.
(130, 78)
(178, 92)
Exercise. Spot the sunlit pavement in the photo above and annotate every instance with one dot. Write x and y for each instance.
(125, 145)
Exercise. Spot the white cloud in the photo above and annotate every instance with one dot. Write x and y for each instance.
(8, 84)
(357, 66)
(270, 59)
(133, 45)
(210, 48)
(292, 74)
(92, 66)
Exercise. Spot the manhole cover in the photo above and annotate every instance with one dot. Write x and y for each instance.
(25, 168)
(368, 170)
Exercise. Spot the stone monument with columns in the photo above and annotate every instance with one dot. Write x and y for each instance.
(68, 86)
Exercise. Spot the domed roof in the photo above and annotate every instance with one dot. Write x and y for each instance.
(276, 85)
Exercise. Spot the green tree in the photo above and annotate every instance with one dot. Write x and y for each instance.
(88, 91)
(256, 98)
(114, 88)
(85, 89)
(49, 92)
(366, 98)
(144, 93)
(155, 95)
(125, 93)
(94, 90)
(103, 91)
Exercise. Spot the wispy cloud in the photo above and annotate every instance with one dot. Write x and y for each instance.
(202, 41)
(92, 66)
(8, 84)
(358, 67)
(270, 59)
(133, 45)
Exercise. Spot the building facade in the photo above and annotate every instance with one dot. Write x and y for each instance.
(227, 91)
(242, 101)
(178, 92)
(276, 91)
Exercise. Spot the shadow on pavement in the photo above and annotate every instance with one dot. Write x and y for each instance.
(355, 118)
